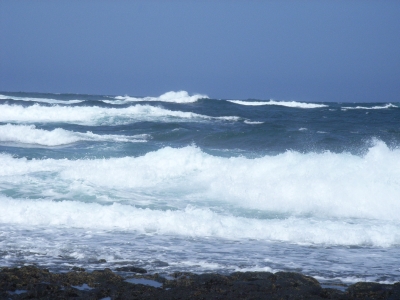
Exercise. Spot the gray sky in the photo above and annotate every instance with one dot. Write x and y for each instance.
(285, 50)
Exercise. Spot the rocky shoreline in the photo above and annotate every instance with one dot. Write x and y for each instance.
(31, 282)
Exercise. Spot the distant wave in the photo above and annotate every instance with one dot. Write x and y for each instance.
(43, 100)
(175, 97)
(390, 105)
(253, 122)
(29, 134)
(281, 103)
(98, 115)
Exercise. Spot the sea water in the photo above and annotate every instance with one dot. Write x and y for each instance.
(184, 182)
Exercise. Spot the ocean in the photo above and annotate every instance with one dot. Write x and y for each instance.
(184, 182)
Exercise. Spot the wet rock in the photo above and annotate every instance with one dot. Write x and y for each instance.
(132, 269)
(372, 290)
(30, 282)
(160, 264)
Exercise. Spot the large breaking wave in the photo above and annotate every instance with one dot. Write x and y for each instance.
(327, 198)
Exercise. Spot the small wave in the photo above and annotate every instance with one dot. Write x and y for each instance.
(390, 105)
(281, 103)
(42, 100)
(174, 97)
(29, 134)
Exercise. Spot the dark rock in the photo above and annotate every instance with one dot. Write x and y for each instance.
(132, 269)
(36, 283)
(159, 263)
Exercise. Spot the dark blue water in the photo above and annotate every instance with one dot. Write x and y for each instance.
(201, 184)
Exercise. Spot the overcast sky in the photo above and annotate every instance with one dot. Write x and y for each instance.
(284, 50)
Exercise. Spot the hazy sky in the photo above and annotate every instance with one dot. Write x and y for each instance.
(285, 50)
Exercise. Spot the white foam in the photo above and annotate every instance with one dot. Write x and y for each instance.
(281, 103)
(29, 134)
(195, 222)
(390, 105)
(354, 279)
(97, 115)
(43, 100)
(175, 97)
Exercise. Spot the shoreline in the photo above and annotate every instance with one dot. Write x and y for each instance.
(32, 282)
